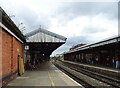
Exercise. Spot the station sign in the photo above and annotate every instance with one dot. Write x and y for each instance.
(18, 50)
(26, 47)
(118, 39)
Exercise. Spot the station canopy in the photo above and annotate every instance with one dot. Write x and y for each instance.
(43, 42)
(41, 35)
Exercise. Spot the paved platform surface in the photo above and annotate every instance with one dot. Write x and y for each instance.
(47, 75)
(96, 66)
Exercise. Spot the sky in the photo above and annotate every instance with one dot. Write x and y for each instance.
(79, 21)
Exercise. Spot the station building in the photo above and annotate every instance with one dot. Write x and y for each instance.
(40, 44)
(104, 51)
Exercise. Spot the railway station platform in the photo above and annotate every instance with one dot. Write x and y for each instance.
(101, 70)
(95, 66)
(46, 75)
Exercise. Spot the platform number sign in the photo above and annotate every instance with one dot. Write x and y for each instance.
(18, 50)
(26, 47)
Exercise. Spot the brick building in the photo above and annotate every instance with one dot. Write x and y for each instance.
(76, 46)
(41, 44)
(11, 45)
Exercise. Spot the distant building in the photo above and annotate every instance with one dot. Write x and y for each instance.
(76, 46)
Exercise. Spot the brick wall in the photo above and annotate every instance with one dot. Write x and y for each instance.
(10, 47)
(17, 50)
(6, 53)
(0, 53)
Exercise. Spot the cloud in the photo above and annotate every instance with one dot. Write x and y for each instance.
(85, 25)
(70, 10)
(85, 29)
(80, 22)
(72, 41)
(26, 13)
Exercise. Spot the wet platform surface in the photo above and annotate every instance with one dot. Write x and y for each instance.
(46, 75)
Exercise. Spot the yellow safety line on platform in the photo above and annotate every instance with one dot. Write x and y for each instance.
(53, 84)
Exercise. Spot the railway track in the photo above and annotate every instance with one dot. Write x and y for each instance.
(84, 84)
(108, 80)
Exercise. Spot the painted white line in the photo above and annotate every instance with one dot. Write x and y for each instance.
(72, 80)
(58, 71)
(22, 78)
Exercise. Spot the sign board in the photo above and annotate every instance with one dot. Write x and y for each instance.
(27, 47)
(18, 50)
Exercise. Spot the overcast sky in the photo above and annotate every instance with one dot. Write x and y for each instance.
(80, 22)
